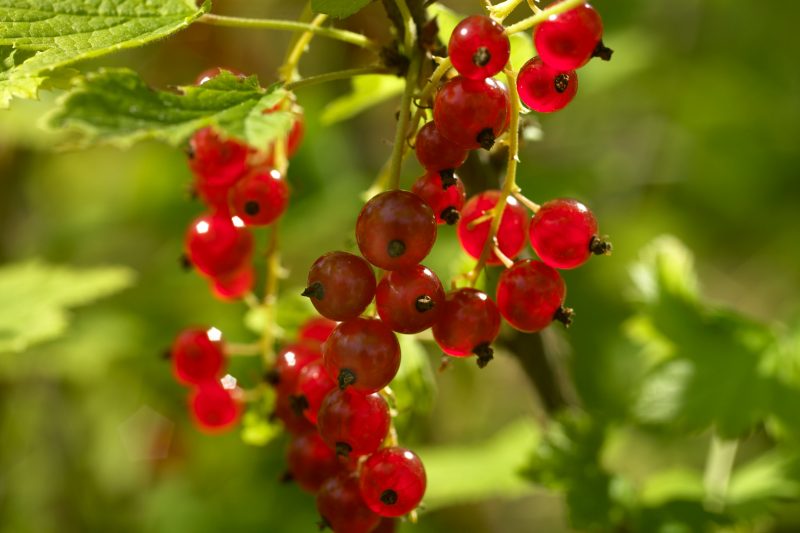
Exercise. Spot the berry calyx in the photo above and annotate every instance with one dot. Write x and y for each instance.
(218, 245)
(260, 197)
(313, 384)
(545, 89)
(290, 416)
(311, 461)
(530, 294)
(511, 234)
(340, 285)
(564, 234)
(213, 407)
(469, 323)
(395, 229)
(479, 47)
(392, 481)
(234, 286)
(567, 41)
(410, 300)
(353, 423)
(446, 202)
(363, 354)
(341, 507)
(197, 355)
(435, 152)
(472, 113)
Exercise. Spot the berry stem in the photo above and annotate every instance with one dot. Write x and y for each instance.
(336, 75)
(270, 297)
(400, 146)
(502, 10)
(541, 16)
(524, 200)
(288, 72)
(242, 349)
(427, 93)
(289, 25)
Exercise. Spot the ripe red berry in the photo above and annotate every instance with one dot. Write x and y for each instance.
(260, 197)
(213, 407)
(353, 423)
(472, 113)
(410, 300)
(292, 418)
(568, 40)
(340, 285)
(435, 152)
(316, 329)
(234, 286)
(446, 202)
(545, 89)
(392, 481)
(479, 47)
(311, 461)
(218, 245)
(469, 323)
(197, 355)
(341, 507)
(362, 353)
(530, 294)
(217, 163)
(313, 384)
(511, 235)
(395, 229)
(564, 234)
(290, 361)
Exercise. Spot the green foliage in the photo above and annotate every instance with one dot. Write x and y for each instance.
(34, 298)
(116, 106)
(339, 8)
(367, 91)
(414, 385)
(258, 426)
(37, 37)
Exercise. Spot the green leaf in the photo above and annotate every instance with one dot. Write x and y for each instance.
(40, 36)
(34, 298)
(116, 106)
(756, 486)
(339, 8)
(368, 91)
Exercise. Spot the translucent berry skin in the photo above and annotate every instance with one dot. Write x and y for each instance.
(470, 321)
(217, 162)
(341, 507)
(472, 113)
(567, 41)
(290, 361)
(445, 203)
(313, 384)
(353, 423)
(545, 89)
(479, 47)
(561, 233)
(435, 152)
(363, 354)
(213, 407)
(511, 235)
(234, 286)
(529, 294)
(311, 461)
(218, 245)
(196, 358)
(410, 300)
(292, 418)
(260, 197)
(340, 285)
(316, 329)
(395, 229)
(392, 481)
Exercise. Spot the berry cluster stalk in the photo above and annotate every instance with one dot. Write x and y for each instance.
(541, 16)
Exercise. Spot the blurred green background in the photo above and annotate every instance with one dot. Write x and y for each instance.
(692, 130)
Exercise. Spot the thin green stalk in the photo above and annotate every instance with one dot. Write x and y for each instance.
(717, 476)
(538, 18)
(337, 75)
(396, 162)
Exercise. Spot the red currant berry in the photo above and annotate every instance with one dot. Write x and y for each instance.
(316, 329)
(435, 152)
(392, 481)
(216, 162)
(395, 229)
(469, 323)
(445, 201)
(286, 410)
(341, 507)
(530, 295)
(472, 113)
(290, 361)
(564, 234)
(313, 385)
(387, 525)
(311, 461)
(213, 407)
(511, 235)
(569, 40)
(362, 353)
(409, 300)
(479, 47)
(260, 197)
(197, 355)
(218, 245)
(340, 285)
(545, 89)
(234, 286)
(353, 423)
